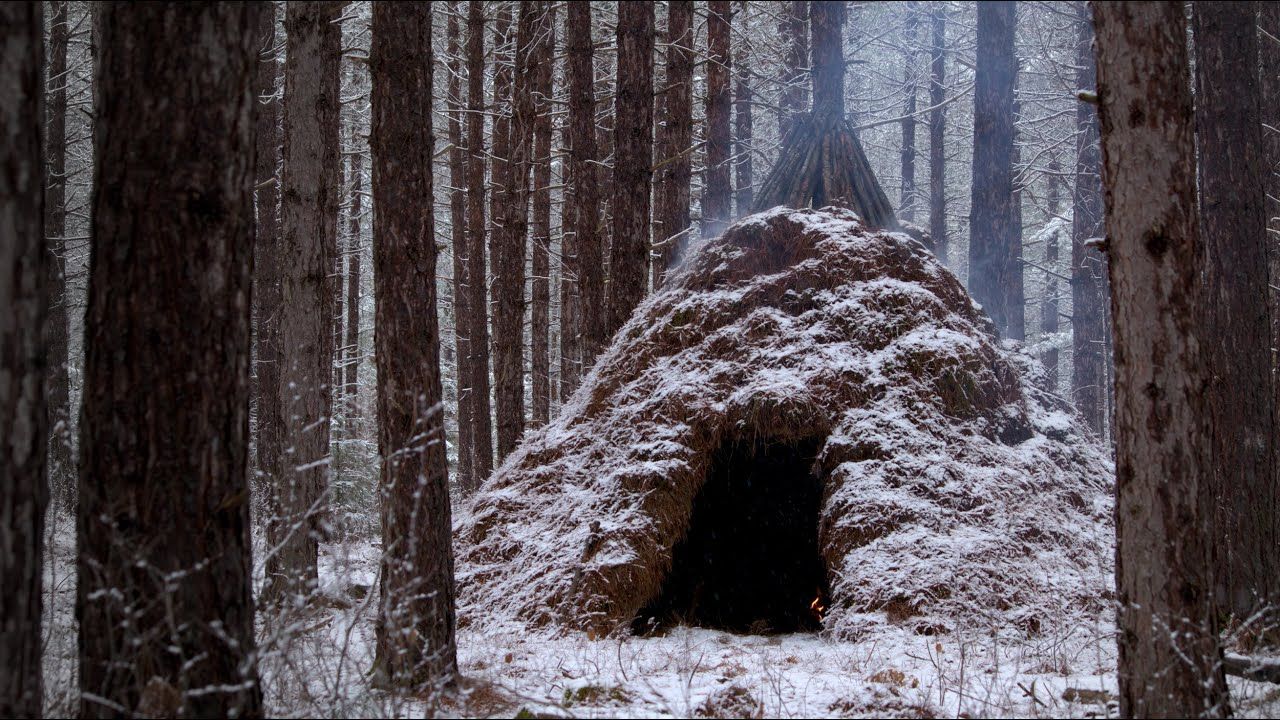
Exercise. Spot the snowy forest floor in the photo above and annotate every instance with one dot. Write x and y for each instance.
(317, 664)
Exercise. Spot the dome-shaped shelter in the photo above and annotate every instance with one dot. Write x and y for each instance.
(810, 425)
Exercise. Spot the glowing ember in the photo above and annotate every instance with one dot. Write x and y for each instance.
(817, 608)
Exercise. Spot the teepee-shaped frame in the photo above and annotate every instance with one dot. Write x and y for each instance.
(822, 162)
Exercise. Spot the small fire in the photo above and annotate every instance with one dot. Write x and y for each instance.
(817, 608)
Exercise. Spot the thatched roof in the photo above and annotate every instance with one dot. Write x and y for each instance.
(956, 493)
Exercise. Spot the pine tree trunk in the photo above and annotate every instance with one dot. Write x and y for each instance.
(60, 470)
(267, 261)
(716, 190)
(415, 624)
(1049, 307)
(1088, 265)
(24, 273)
(995, 273)
(1236, 323)
(1018, 303)
(478, 327)
(826, 26)
(540, 244)
(793, 29)
(510, 209)
(164, 588)
(907, 206)
(309, 224)
(742, 125)
(1170, 664)
(1269, 105)
(606, 95)
(937, 128)
(352, 370)
(675, 135)
(582, 332)
(632, 163)
(462, 310)
(337, 284)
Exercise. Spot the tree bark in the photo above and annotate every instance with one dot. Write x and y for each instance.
(267, 262)
(716, 191)
(742, 126)
(478, 327)
(164, 588)
(937, 128)
(1088, 265)
(582, 332)
(510, 208)
(462, 309)
(908, 201)
(793, 100)
(1170, 663)
(24, 275)
(826, 26)
(309, 242)
(1269, 105)
(632, 163)
(1049, 307)
(415, 629)
(540, 244)
(995, 272)
(352, 370)
(675, 135)
(1236, 321)
(606, 94)
(60, 469)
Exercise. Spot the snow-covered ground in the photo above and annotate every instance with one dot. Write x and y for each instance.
(317, 663)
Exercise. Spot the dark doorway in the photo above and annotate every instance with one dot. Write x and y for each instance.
(750, 561)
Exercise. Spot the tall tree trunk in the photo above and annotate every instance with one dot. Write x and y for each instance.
(826, 26)
(510, 208)
(606, 94)
(462, 309)
(937, 128)
(164, 590)
(742, 100)
(1236, 321)
(675, 134)
(1049, 307)
(793, 29)
(1170, 664)
(632, 162)
(309, 241)
(582, 332)
(60, 469)
(1088, 265)
(267, 261)
(415, 624)
(24, 275)
(352, 370)
(478, 327)
(1269, 105)
(1019, 310)
(908, 203)
(716, 190)
(995, 273)
(540, 244)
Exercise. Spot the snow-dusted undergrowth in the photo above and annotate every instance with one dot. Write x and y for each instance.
(317, 665)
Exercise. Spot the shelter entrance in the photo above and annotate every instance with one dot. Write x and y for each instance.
(750, 562)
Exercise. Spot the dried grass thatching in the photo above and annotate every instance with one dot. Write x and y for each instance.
(956, 492)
